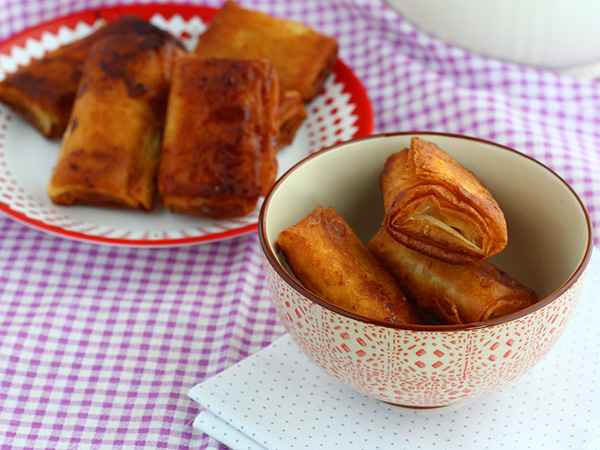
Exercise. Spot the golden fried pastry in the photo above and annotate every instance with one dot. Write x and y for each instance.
(439, 208)
(455, 293)
(111, 148)
(291, 113)
(302, 57)
(43, 92)
(330, 260)
(218, 151)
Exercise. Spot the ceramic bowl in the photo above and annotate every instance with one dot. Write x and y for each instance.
(432, 365)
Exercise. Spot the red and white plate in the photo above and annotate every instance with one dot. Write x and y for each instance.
(342, 112)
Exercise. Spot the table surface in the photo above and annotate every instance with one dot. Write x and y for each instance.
(99, 345)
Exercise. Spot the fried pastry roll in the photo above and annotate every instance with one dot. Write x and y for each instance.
(291, 113)
(219, 145)
(43, 91)
(330, 260)
(456, 294)
(302, 57)
(111, 148)
(439, 208)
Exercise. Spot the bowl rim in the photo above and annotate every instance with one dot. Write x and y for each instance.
(300, 289)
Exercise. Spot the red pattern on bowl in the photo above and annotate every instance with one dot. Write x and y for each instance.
(419, 368)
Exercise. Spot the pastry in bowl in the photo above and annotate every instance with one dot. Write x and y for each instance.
(454, 293)
(437, 207)
(328, 257)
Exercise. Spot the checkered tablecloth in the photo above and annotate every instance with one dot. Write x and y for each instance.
(98, 345)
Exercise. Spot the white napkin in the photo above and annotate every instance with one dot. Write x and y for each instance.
(277, 399)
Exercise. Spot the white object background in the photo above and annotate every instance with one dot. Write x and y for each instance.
(547, 33)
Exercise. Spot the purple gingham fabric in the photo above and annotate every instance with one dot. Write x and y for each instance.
(98, 345)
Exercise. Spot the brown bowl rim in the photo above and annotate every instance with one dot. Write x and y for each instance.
(298, 287)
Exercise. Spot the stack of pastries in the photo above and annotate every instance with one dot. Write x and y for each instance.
(427, 263)
(138, 114)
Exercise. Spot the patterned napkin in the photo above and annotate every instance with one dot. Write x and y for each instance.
(99, 345)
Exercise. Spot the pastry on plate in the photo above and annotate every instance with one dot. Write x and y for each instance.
(291, 113)
(302, 57)
(44, 90)
(111, 149)
(219, 145)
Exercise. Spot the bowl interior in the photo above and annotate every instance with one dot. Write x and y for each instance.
(547, 225)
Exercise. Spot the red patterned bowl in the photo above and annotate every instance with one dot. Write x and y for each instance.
(424, 365)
